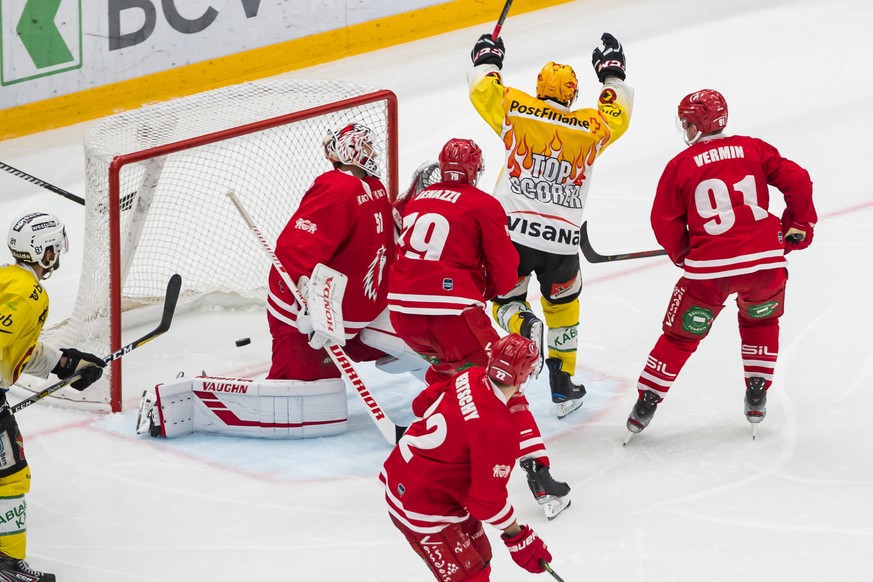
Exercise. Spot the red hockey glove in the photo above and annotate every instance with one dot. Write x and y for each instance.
(798, 235)
(527, 549)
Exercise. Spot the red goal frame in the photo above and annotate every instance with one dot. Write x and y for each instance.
(114, 193)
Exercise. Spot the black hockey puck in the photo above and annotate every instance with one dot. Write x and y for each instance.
(243, 342)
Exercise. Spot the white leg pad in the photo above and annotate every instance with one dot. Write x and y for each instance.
(380, 334)
(280, 409)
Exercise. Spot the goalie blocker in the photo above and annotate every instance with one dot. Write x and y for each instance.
(244, 407)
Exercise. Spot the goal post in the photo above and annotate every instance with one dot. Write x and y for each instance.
(156, 203)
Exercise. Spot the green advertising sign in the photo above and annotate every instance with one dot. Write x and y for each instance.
(39, 38)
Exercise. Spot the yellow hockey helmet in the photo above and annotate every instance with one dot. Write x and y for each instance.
(557, 82)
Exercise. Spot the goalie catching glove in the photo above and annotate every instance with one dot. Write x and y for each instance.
(427, 174)
(89, 367)
(322, 320)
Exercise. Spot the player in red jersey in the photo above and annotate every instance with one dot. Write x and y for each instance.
(711, 216)
(455, 255)
(344, 221)
(449, 472)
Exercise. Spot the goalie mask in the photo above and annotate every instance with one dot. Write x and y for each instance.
(558, 83)
(705, 109)
(353, 145)
(461, 161)
(32, 235)
(512, 360)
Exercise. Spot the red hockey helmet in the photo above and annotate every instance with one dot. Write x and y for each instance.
(706, 109)
(461, 161)
(512, 360)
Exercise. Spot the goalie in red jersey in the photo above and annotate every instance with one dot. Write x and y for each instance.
(711, 215)
(449, 472)
(339, 245)
(456, 255)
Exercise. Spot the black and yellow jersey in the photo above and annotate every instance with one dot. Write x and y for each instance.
(550, 152)
(24, 306)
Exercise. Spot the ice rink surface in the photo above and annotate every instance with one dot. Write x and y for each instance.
(692, 499)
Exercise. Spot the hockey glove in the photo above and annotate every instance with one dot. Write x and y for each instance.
(88, 365)
(488, 51)
(798, 235)
(609, 62)
(527, 549)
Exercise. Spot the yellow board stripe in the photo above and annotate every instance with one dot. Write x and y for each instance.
(256, 64)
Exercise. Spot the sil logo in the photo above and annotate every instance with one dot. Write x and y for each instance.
(39, 38)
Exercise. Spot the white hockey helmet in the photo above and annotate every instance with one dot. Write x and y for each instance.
(33, 234)
(353, 145)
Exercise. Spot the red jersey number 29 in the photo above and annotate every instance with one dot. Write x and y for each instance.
(424, 236)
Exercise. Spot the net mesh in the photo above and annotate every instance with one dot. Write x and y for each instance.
(175, 217)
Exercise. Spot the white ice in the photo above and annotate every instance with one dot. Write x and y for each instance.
(691, 499)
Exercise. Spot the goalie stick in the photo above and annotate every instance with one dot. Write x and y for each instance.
(389, 430)
(593, 256)
(173, 287)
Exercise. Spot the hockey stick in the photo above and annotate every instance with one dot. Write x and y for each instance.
(125, 201)
(500, 20)
(389, 430)
(42, 183)
(548, 568)
(593, 256)
(170, 299)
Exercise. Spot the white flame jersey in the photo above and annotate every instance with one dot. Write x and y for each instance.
(550, 151)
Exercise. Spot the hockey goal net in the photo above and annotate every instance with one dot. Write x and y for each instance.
(156, 204)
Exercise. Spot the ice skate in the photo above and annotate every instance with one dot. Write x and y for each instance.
(565, 394)
(552, 495)
(13, 570)
(643, 412)
(532, 329)
(755, 402)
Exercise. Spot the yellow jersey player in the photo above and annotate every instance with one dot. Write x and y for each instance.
(550, 152)
(36, 241)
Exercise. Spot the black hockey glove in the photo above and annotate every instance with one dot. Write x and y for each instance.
(488, 51)
(610, 60)
(88, 365)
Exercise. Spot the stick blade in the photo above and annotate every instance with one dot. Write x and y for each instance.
(174, 287)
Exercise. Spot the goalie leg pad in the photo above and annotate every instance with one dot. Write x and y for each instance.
(289, 409)
(380, 334)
